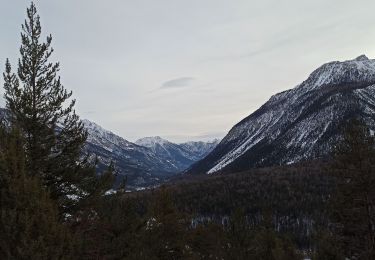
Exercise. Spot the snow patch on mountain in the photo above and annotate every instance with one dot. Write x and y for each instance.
(299, 123)
(149, 161)
(182, 155)
(151, 141)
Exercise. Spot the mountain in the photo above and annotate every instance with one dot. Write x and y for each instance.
(152, 160)
(199, 150)
(181, 155)
(298, 124)
(140, 164)
(148, 161)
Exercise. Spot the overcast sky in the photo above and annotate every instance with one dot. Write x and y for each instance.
(188, 69)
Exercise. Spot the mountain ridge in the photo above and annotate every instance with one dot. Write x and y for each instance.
(183, 155)
(299, 123)
(140, 165)
(152, 161)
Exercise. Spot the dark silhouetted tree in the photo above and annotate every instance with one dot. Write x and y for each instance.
(42, 109)
(268, 245)
(29, 223)
(353, 204)
(164, 232)
(239, 236)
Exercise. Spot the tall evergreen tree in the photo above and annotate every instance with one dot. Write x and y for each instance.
(239, 236)
(353, 204)
(29, 224)
(164, 233)
(43, 110)
(268, 245)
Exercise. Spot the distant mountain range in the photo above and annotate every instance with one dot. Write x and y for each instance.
(148, 161)
(298, 124)
(181, 156)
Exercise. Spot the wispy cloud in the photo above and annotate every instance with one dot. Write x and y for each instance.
(178, 83)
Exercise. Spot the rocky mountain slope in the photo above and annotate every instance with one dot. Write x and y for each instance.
(140, 164)
(181, 155)
(300, 123)
(151, 161)
(146, 162)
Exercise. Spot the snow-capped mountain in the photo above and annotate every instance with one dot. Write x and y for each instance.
(140, 164)
(150, 160)
(200, 149)
(181, 155)
(300, 123)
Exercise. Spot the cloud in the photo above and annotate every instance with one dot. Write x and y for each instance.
(178, 83)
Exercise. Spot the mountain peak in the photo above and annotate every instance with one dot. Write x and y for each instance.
(92, 127)
(362, 58)
(150, 141)
(337, 73)
(299, 124)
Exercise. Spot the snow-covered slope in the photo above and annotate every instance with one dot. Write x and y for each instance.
(148, 161)
(151, 161)
(181, 155)
(300, 123)
(140, 164)
(200, 149)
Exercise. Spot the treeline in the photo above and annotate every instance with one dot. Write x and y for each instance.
(297, 195)
(54, 203)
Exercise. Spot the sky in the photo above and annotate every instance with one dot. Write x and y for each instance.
(188, 69)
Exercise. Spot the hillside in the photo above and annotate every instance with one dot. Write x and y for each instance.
(298, 124)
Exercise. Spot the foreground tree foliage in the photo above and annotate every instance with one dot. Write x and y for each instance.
(353, 203)
(296, 194)
(54, 135)
(48, 190)
(163, 235)
(29, 223)
(327, 247)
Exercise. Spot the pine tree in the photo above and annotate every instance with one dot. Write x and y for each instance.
(239, 235)
(269, 245)
(163, 235)
(327, 247)
(43, 110)
(353, 203)
(29, 223)
(114, 233)
(208, 241)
